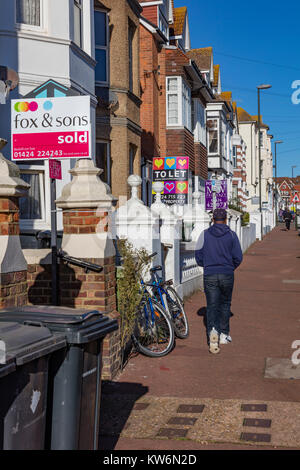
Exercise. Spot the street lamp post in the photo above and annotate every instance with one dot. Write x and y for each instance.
(260, 87)
(275, 166)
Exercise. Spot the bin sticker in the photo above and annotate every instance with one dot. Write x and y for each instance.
(36, 395)
(2, 352)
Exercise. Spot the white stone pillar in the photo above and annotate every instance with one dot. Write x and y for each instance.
(135, 222)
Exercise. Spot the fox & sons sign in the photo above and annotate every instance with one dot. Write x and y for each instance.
(45, 128)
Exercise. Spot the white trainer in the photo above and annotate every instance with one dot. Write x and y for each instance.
(214, 341)
(225, 339)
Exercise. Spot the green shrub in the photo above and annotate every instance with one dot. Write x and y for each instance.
(129, 294)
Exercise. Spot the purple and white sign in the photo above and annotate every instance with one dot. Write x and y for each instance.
(221, 194)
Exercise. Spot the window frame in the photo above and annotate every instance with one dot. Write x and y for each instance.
(199, 121)
(106, 48)
(108, 159)
(36, 169)
(79, 5)
(181, 87)
(217, 119)
(131, 34)
(31, 27)
(234, 156)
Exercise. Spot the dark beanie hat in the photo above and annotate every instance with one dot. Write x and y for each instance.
(220, 214)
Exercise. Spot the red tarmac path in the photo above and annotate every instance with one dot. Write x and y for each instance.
(265, 322)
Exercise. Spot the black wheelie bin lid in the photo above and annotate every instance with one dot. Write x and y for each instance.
(23, 343)
(78, 326)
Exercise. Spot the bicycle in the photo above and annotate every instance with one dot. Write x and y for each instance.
(163, 293)
(154, 333)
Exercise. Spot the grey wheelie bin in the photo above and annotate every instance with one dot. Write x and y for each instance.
(75, 373)
(25, 352)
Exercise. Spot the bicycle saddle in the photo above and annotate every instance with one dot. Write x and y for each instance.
(156, 268)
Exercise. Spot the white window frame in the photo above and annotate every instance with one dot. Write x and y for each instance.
(106, 48)
(163, 23)
(214, 118)
(182, 87)
(30, 27)
(41, 171)
(79, 4)
(199, 121)
(234, 156)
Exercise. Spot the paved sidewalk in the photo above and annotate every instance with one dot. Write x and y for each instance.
(265, 323)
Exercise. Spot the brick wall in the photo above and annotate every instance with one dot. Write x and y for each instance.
(13, 285)
(83, 221)
(201, 166)
(180, 142)
(150, 92)
(9, 216)
(13, 289)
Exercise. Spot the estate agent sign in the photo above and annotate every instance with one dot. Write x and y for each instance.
(44, 128)
(174, 172)
(216, 189)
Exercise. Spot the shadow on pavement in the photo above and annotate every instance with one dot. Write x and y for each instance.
(117, 402)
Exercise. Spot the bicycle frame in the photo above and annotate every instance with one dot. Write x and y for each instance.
(157, 283)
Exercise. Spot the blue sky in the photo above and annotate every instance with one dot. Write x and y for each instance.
(257, 34)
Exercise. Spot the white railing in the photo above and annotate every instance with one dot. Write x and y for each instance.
(248, 235)
(191, 275)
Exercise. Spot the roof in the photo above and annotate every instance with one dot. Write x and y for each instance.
(292, 182)
(243, 115)
(226, 95)
(202, 57)
(255, 118)
(179, 20)
(216, 75)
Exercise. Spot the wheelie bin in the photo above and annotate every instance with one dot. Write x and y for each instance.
(74, 374)
(23, 384)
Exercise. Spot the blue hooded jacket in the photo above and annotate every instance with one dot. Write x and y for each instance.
(218, 250)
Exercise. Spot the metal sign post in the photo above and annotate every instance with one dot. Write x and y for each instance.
(54, 270)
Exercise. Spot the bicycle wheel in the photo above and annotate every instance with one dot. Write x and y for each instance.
(154, 333)
(179, 318)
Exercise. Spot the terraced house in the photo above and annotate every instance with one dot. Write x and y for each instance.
(248, 126)
(117, 85)
(174, 92)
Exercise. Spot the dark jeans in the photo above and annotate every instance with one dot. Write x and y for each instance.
(287, 223)
(218, 290)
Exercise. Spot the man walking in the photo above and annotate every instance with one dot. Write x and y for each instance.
(218, 250)
(287, 217)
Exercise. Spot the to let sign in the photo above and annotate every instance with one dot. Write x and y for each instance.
(55, 169)
(174, 173)
(44, 128)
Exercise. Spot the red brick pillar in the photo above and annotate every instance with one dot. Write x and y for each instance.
(13, 267)
(86, 208)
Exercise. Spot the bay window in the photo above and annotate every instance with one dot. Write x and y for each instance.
(234, 161)
(101, 47)
(198, 118)
(28, 12)
(78, 22)
(179, 103)
(213, 135)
